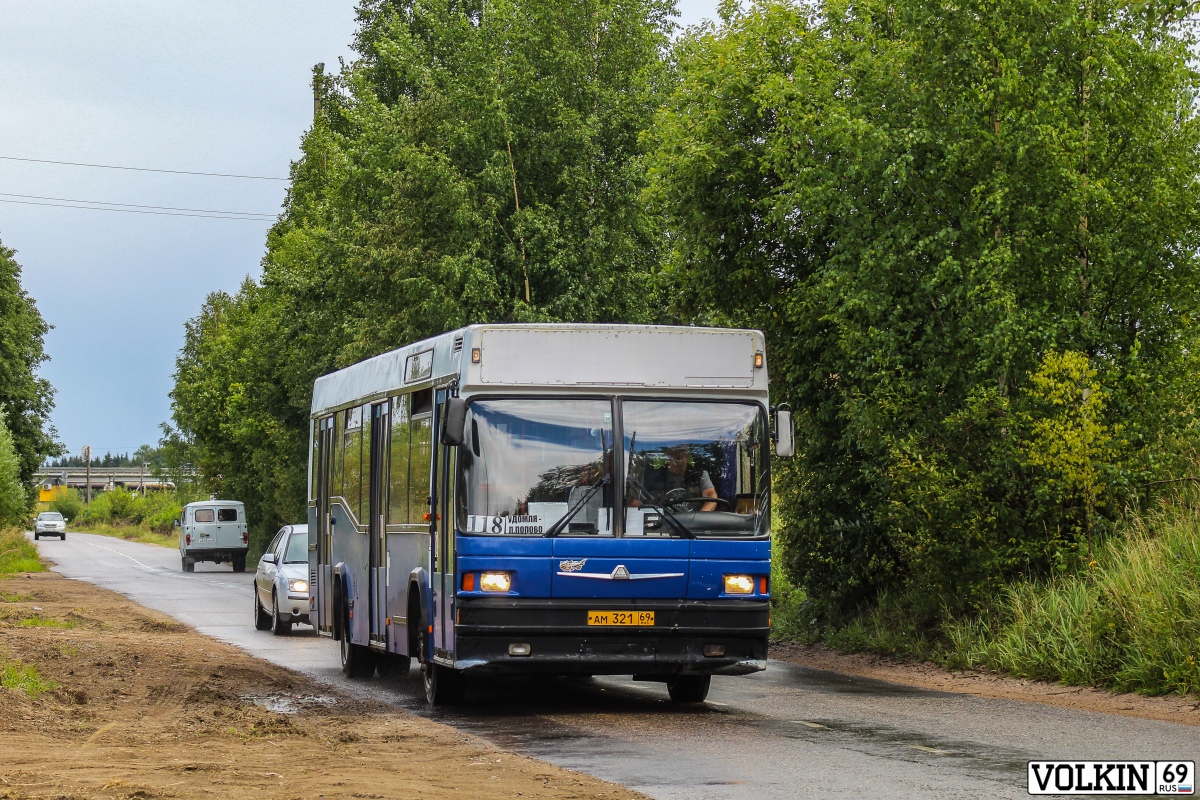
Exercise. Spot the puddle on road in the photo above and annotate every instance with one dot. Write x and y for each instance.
(291, 704)
(584, 723)
(819, 680)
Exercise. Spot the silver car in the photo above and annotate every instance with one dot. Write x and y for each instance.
(281, 582)
(49, 523)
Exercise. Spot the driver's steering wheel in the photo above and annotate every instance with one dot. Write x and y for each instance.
(680, 501)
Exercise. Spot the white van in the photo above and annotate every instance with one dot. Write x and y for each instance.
(213, 530)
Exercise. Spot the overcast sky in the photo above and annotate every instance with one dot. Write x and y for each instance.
(204, 86)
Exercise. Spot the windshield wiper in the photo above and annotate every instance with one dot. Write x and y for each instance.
(648, 499)
(565, 519)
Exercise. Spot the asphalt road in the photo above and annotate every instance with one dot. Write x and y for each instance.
(785, 733)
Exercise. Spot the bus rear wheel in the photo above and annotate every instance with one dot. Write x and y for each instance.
(239, 562)
(357, 661)
(689, 688)
(391, 666)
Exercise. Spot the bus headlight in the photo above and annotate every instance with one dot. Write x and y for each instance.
(495, 581)
(739, 584)
(297, 585)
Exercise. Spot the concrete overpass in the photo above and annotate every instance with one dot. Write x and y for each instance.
(134, 479)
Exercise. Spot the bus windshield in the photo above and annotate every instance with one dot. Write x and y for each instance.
(539, 467)
(695, 468)
(526, 464)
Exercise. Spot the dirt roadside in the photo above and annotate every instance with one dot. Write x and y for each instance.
(1172, 708)
(146, 707)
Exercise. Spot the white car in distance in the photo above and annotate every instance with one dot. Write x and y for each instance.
(49, 523)
(281, 582)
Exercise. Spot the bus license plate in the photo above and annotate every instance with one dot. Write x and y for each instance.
(633, 618)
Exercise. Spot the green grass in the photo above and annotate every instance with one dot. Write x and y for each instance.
(38, 621)
(15, 597)
(24, 677)
(130, 533)
(17, 554)
(1128, 621)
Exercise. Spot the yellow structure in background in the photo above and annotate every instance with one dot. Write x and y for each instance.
(49, 492)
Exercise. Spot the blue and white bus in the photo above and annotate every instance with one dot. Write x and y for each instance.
(555, 499)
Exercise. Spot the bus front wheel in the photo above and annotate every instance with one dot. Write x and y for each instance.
(443, 686)
(689, 688)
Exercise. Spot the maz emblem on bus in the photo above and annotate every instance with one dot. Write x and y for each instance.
(569, 569)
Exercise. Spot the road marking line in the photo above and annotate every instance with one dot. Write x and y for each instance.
(811, 724)
(118, 552)
(929, 750)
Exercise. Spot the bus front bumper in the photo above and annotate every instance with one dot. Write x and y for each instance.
(733, 633)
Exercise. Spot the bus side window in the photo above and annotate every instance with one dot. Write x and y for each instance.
(398, 496)
(313, 468)
(352, 471)
(364, 495)
(339, 455)
(419, 463)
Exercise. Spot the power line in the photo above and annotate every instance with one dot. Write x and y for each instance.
(143, 169)
(132, 210)
(135, 205)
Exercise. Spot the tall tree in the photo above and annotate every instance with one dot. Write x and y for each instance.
(14, 500)
(478, 162)
(25, 398)
(924, 204)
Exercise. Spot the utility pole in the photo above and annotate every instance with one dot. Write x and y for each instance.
(142, 478)
(86, 452)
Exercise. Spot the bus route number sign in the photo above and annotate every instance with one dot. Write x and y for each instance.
(527, 524)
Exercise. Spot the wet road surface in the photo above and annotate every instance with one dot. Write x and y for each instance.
(785, 733)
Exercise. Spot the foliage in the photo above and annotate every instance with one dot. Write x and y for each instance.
(154, 458)
(943, 218)
(25, 678)
(157, 510)
(477, 162)
(69, 503)
(25, 398)
(14, 500)
(18, 554)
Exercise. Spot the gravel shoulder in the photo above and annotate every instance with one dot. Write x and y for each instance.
(1171, 708)
(144, 707)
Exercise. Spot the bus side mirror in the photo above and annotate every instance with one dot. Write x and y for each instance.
(785, 433)
(455, 422)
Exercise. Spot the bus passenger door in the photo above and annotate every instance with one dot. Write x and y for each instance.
(376, 529)
(321, 575)
(444, 626)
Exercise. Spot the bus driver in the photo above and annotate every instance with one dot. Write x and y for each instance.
(673, 480)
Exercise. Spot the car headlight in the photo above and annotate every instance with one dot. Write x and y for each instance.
(495, 581)
(739, 584)
(297, 585)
